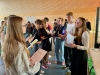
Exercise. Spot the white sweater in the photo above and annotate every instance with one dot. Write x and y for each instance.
(21, 67)
(85, 41)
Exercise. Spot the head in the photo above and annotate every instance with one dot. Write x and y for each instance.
(86, 20)
(14, 34)
(33, 25)
(60, 20)
(55, 20)
(2, 23)
(80, 24)
(38, 23)
(69, 16)
(65, 20)
(5, 18)
(46, 19)
(44, 24)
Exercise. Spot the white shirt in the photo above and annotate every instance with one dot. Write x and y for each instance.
(70, 29)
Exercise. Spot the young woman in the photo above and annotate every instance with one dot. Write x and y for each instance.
(80, 45)
(45, 35)
(15, 54)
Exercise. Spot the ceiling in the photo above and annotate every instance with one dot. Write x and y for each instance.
(43, 7)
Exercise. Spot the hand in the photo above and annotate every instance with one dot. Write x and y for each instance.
(62, 36)
(43, 38)
(52, 34)
(39, 42)
(65, 32)
(72, 45)
(31, 39)
(27, 39)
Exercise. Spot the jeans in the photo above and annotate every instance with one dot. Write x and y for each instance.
(59, 45)
(68, 56)
(34, 48)
(26, 35)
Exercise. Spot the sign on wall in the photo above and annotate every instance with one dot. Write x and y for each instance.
(31, 19)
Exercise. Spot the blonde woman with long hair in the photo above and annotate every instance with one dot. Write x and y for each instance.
(15, 54)
(80, 47)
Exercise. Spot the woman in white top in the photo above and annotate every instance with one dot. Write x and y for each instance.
(80, 45)
(15, 54)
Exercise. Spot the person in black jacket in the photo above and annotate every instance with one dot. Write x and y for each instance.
(46, 45)
(65, 24)
(88, 24)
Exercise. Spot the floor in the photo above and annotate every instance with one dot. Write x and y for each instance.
(54, 69)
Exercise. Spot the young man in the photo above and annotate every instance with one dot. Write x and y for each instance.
(69, 28)
(59, 44)
(47, 22)
(67, 49)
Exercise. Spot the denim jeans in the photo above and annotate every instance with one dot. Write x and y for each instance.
(59, 45)
(34, 48)
(26, 35)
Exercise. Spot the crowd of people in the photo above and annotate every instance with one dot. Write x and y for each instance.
(14, 44)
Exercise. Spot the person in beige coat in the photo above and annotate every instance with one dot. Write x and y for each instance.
(14, 52)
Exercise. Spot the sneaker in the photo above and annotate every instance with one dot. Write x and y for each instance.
(63, 63)
(55, 62)
(45, 67)
(64, 67)
(69, 71)
(42, 71)
(49, 63)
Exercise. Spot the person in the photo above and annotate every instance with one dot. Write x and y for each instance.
(59, 44)
(36, 35)
(65, 24)
(47, 22)
(2, 35)
(46, 45)
(88, 25)
(28, 29)
(15, 55)
(55, 26)
(67, 49)
(80, 47)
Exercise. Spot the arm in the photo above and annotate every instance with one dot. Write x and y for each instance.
(85, 41)
(22, 63)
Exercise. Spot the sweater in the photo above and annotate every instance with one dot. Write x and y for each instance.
(22, 66)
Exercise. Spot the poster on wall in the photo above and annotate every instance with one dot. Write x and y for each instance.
(31, 19)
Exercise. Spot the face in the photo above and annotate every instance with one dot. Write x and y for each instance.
(37, 25)
(59, 21)
(69, 18)
(41, 26)
(78, 23)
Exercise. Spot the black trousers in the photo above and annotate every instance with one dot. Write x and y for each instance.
(68, 56)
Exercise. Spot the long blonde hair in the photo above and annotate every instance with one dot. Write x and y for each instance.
(14, 35)
(79, 36)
